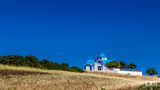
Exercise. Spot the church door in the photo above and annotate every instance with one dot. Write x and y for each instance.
(99, 68)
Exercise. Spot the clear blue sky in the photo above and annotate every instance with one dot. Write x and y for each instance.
(73, 31)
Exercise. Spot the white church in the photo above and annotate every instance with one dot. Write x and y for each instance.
(99, 65)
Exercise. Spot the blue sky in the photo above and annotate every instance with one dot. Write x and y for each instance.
(73, 31)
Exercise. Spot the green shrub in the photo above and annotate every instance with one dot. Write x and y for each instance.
(33, 61)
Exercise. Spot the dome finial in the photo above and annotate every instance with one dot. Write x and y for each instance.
(102, 54)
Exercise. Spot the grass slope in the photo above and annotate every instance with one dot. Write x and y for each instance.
(25, 78)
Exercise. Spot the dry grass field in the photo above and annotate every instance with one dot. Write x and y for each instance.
(25, 78)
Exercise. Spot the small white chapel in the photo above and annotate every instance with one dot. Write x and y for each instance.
(99, 65)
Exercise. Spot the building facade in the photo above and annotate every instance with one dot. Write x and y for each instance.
(99, 65)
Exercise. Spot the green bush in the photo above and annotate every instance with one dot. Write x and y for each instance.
(33, 61)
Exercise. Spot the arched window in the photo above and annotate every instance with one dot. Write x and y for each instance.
(99, 68)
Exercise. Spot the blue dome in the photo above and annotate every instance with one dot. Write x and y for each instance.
(102, 55)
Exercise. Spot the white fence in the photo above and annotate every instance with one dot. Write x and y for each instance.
(136, 73)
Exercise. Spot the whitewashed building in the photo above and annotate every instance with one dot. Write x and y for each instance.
(99, 65)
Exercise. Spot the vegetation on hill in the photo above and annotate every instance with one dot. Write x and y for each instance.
(154, 87)
(27, 78)
(132, 66)
(151, 72)
(120, 65)
(32, 61)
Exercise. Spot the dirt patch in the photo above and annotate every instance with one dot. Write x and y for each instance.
(20, 72)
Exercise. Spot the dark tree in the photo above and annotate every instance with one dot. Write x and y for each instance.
(65, 66)
(113, 64)
(15, 60)
(32, 59)
(122, 65)
(131, 66)
(151, 72)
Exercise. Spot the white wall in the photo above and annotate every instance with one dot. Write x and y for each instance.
(136, 73)
(92, 68)
(88, 68)
(96, 66)
(105, 69)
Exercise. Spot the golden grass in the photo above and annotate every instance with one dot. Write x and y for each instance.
(62, 80)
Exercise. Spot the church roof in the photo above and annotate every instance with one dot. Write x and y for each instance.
(102, 55)
(92, 62)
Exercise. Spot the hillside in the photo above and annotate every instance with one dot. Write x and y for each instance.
(26, 78)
